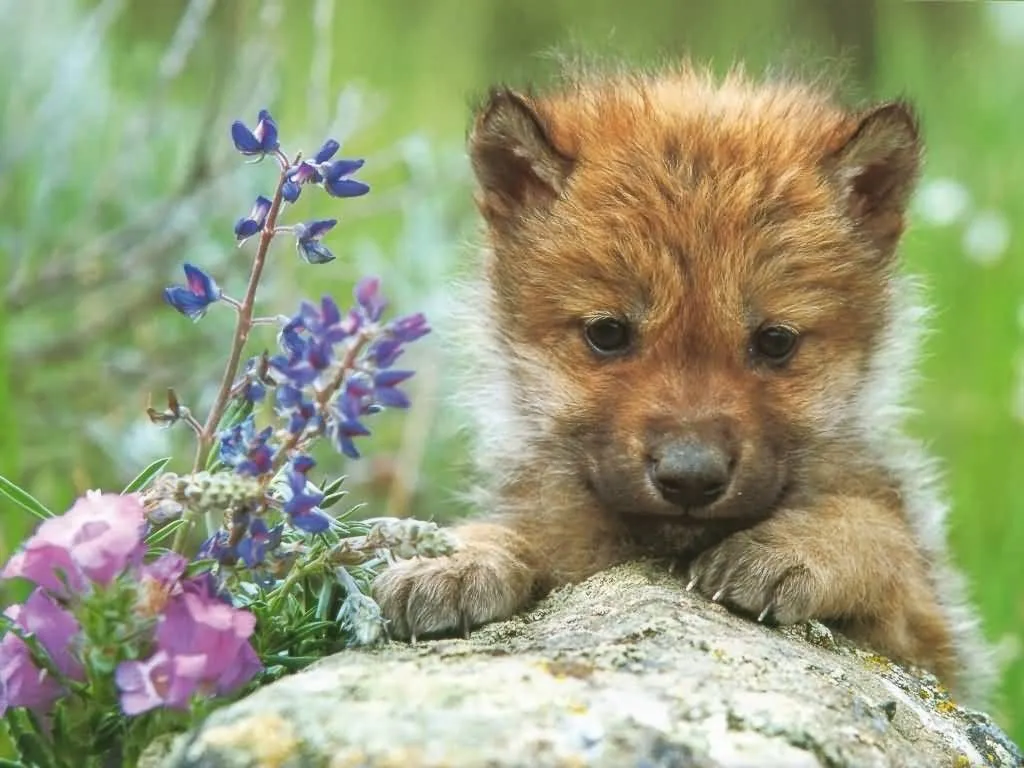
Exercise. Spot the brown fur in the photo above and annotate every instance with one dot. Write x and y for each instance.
(698, 212)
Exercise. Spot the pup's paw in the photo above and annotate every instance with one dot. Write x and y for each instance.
(451, 595)
(759, 578)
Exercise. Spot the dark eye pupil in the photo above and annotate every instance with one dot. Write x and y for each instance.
(606, 336)
(775, 342)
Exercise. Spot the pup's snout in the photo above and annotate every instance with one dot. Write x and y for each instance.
(692, 469)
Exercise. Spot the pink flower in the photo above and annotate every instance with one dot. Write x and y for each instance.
(202, 647)
(94, 541)
(158, 581)
(22, 683)
(196, 624)
(160, 681)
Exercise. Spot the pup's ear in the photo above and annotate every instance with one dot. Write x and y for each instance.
(518, 169)
(876, 168)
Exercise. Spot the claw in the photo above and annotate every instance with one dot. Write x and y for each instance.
(412, 638)
(692, 584)
(767, 609)
(718, 595)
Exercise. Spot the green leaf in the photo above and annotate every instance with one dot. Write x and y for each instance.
(332, 498)
(146, 476)
(32, 748)
(161, 534)
(24, 499)
(325, 599)
(334, 486)
(197, 567)
(333, 493)
(107, 732)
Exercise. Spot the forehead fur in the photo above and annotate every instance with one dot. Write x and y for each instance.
(679, 147)
(680, 183)
(694, 119)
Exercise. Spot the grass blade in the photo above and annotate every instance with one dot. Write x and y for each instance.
(146, 476)
(24, 499)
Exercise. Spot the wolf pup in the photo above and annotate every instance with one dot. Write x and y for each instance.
(691, 339)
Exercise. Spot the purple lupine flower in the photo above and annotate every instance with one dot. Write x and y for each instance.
(358, 386)
(368, 297)
(327, 151)
(336, 180)
(303, 463)
(254, 391)
(246, 450)
(260, 141)
(316, 358)
(193, 298)
(291, 340)
(260, 540)
(309, 339)
(345, 426)
(298, 176)
(307, 240)
(308, 171)
(290, 191)
(301, 412)
(355, 400)
(301, 505)
(218, 547)
(385, 390)
(327, 322)
(247, 226)
(22, 682)
(305, 173)
(252, 384)
(93, 541)
(409, 327)
(383, 352)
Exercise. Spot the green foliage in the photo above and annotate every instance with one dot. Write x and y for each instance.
(23, 499)
(142, 480)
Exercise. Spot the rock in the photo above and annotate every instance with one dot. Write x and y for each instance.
(626, 669)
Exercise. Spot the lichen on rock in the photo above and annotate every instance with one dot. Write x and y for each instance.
(625, 669)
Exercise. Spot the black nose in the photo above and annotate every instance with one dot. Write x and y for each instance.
(691, 472)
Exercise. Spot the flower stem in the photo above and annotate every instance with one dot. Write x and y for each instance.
(242, 327)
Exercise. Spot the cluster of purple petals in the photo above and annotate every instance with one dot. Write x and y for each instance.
(354, 352)
(334, 368)
(196, 643)
(334, 175)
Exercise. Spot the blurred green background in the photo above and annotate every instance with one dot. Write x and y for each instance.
(115, 166)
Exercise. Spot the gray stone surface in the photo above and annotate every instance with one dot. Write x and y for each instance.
(626, 669)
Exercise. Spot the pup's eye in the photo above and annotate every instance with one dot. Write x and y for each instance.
(775, 343)
(608, 336)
